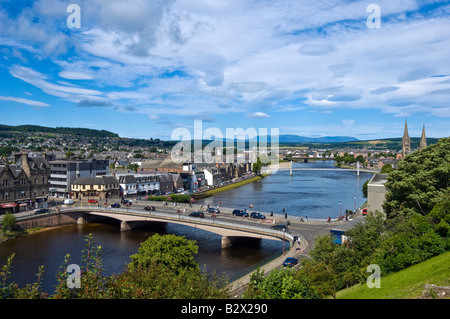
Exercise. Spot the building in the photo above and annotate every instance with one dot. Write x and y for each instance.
(376, 192)
(102, 187)
(423, 139)
(24, 184)
(406, 142)
(64, 172)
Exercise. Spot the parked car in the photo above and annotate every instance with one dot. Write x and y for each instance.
(115, 205)
(290, 262)
(68, 201)
(213, 210)
(127, 201)
(197, 214)
(279, 227)
(93, 201)
(42, 211)
(238, 212)
(257, 215)
(149, 207)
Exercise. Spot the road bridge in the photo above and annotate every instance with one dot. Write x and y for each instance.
(230, 229)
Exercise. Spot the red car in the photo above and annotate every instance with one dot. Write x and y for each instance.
(93, 201)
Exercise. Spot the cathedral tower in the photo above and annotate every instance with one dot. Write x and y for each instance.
(423, 139)
(406, 142)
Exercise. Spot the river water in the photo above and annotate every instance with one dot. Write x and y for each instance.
(316, 194)
(306, 193)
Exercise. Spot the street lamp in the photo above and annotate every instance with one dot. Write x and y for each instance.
(340, 210)
(354, 208)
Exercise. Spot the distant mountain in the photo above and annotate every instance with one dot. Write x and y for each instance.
(287, 138)
(325, 139)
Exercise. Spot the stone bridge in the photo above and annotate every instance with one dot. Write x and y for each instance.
(229, 229)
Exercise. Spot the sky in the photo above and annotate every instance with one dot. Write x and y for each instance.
(143, 68)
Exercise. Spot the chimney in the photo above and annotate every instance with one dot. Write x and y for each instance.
(17, 156)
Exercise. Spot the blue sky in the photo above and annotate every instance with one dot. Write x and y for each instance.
(144, 68)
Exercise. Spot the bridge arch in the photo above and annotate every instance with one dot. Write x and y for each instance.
(229, 231)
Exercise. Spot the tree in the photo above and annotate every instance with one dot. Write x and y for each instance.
(172, 251)
(9, 221)
(256, 167)
(133, 167)
(419, 180)
(364, 188)
(386, 169)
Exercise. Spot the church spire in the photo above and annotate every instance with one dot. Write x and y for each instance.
(423, 139)
(406, 142)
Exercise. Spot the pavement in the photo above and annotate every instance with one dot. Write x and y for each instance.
(296, 250)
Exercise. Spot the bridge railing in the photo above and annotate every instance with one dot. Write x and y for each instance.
(194, 220)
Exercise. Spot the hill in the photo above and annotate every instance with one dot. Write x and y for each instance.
(405, 284)
(86, 132)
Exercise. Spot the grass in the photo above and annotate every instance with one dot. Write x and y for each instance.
(405, 284)
(231, 186)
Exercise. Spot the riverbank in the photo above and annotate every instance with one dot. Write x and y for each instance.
(228, 187)
(26, 232)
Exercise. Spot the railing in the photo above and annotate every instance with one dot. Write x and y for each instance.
(192, 220)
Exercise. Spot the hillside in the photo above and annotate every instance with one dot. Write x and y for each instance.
(405, 284)
(86, 132)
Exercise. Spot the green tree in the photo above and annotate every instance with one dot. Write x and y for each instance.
(419, 180)
(256, 167)
(386, 169)
(9, 222)
(172, 251)
(133, 167)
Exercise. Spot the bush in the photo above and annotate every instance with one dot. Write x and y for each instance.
(179, 198)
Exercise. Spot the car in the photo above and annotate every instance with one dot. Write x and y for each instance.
(238, 212)
(149, 207)
(93, 201)
(115, 205)
(127, 201)
(213, 210)
(197, 214)
(257, 215)
(279, 227)
(42, 211)
(290, 262)
(68, 201)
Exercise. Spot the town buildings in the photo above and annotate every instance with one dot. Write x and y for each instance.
(101, 187)
(24, 184)
(64, 172)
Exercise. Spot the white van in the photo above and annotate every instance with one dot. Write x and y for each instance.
(68, 201)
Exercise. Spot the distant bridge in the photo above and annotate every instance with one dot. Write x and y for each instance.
(357, 171)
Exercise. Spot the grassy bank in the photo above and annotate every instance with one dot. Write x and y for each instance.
(214, 191)
(405, 284)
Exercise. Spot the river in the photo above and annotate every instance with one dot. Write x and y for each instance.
(316, 194)
(306, 193)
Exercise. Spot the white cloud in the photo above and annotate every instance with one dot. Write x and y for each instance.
(24, 101)
(215, 57)
(71, 75)
(258, 115)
